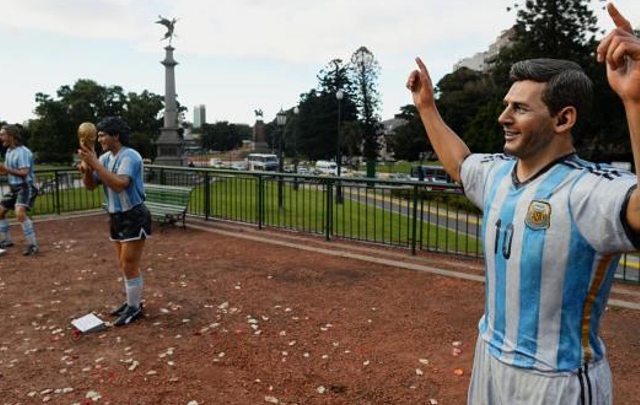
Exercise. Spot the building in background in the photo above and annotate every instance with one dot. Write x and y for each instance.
(192, 134)
(199, 116)
(481, 61)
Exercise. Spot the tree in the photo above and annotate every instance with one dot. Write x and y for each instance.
(142, 115)
(548, 29)
(54, 130)
(317, 125)
(334, 77)
(317, 121)
(410, 139)
(463, 95)
(365, 71)
(467, 103)
(223, 136)
(351, 142)
(53, 134)
(543, 29)
(483, 132)
(561, 29)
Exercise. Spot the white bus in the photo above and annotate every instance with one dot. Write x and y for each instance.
(327, 167)
(265, 162)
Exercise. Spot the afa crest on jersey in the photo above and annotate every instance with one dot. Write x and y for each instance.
(538, 215)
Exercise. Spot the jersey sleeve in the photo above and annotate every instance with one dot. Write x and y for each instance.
(473, 175)
(24, 158)
(598, 205)
(130, 165)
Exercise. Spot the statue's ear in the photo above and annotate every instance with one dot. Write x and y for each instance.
(565, 119)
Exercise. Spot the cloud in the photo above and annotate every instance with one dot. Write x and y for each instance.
(291, 30)
(296, 31)
(252, 51)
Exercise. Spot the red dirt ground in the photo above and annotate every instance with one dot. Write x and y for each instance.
(234, 321)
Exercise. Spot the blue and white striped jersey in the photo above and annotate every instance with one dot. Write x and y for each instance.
(16, 158)
(127, 162)
(551, 247)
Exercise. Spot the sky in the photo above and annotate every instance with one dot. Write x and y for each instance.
(237, 56)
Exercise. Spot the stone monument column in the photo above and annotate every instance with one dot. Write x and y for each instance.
(259, 136)
(170, 147)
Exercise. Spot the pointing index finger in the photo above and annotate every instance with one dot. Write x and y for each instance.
(618, 19)
(421, 64)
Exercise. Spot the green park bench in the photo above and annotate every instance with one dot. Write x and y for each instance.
(167, 204)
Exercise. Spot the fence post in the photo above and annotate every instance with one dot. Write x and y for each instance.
(56, 191)
(207, 195)
(260, 201)
(329, 211)
(414, 222)
(162, 177)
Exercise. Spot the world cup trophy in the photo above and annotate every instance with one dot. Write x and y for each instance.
(87, 134)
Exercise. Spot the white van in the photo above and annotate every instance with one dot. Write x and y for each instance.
(327, 167)
(265, 162)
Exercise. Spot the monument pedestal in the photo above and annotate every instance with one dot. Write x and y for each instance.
(260, 147)
(259, 138)
(169, 146)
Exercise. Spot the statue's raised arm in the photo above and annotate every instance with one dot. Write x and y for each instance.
(170, 24)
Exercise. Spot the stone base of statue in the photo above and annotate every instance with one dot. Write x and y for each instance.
(260, 147)
(170, 149)
(259, 132)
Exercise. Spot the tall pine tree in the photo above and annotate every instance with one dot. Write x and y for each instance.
(365, 71)
(561, 29)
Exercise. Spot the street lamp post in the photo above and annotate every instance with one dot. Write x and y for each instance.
(281, 120)
(296, 110)
(339, 198)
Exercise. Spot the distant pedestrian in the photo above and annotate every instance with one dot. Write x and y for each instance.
(18, 166)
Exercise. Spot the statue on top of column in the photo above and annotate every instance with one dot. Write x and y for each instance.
(170, 24)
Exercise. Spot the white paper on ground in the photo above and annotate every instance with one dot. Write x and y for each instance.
(88, 323)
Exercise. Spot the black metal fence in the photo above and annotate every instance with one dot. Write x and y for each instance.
(418, 216)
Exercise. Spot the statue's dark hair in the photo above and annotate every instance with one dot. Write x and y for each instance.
(566, 85)
(115, 126)
(15, 131)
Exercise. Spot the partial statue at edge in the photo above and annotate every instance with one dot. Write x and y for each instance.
(170, 24)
